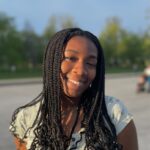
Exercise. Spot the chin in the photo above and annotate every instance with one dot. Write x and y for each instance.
(73, 95)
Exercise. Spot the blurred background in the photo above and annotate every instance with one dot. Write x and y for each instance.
(123, 28)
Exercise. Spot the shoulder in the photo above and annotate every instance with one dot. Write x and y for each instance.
(113, 103)
(29, 113)
(24, 119)
(118, 113)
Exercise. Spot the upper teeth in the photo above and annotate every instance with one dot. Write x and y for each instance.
(75, 82)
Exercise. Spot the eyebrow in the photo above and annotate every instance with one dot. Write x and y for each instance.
(92, 57)
(75, 51)
(72, 50)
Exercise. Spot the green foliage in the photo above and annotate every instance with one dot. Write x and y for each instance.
(122, 48)
(67, 22)
(24, 49)
(57, 23)
(10, 42)
(50, 29)
(146, 48)
(31, 47)
(110, 39)
(20, 73)
(132, 52)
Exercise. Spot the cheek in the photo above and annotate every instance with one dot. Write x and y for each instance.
(65, 67)
(92, 74)
(63, 70)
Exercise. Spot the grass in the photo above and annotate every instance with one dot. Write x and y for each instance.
(121, 70)
(23, 73)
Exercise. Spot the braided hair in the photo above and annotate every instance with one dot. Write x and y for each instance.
(100, 133)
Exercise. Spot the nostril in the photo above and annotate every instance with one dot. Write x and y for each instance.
(80, 69)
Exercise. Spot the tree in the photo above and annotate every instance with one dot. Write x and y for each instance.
(56, 23)
(10, 43)
(146, 48)
(50, 29)
(110, 38)
(131, 49)
(67, 22)
(32, 46)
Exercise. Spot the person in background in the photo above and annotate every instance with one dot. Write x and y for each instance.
(147, 76)
(144, 80)
(141, 83)
(72, 111)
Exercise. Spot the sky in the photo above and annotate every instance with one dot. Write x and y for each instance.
(90, 15)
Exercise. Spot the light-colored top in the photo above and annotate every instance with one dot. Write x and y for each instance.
(118, 113)
(147, 71)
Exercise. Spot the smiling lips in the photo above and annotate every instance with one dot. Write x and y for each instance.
(76, 82)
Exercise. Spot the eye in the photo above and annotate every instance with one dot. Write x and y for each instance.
(70, 59)
(91, 64)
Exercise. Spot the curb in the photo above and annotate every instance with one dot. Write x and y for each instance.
(9, 82)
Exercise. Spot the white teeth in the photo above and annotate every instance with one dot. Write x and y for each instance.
(75, 82)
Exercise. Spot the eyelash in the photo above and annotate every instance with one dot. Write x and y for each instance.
(70, 58)
(74, 59)
(92, 65)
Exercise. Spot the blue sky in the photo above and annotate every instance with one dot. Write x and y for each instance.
(87, 14)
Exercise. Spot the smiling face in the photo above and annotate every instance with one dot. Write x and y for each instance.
(78, 66)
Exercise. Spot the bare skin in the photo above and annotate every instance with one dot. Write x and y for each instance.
(19, 145)
(128, 137)
(69, 113)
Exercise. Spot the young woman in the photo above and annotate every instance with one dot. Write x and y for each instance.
(72, 111)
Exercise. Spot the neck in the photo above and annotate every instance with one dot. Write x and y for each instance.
(69, 102)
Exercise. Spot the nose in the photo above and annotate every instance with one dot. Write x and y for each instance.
(80, 69)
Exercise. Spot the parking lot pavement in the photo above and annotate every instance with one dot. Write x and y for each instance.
(14, 95)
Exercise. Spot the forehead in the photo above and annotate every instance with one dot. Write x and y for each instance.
(81, 44)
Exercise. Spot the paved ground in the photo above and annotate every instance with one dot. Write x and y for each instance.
(12, 96)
